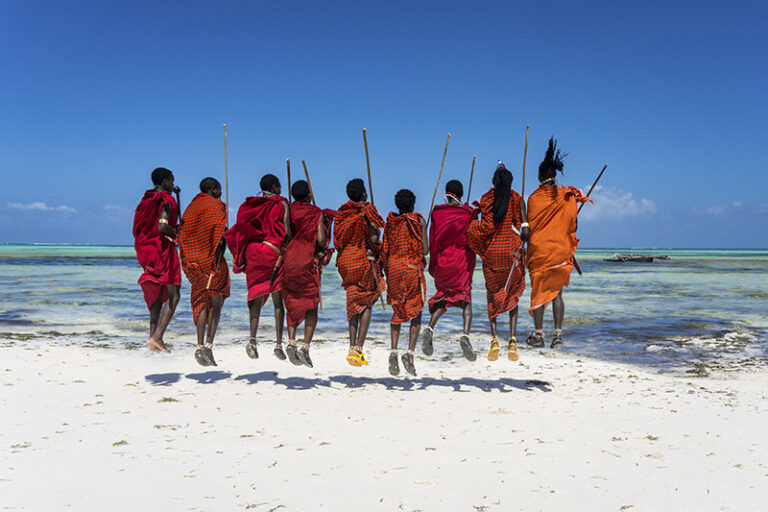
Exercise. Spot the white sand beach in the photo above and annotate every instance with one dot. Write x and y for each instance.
(105, 429)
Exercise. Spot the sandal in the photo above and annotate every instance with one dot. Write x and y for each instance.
(493, 353)
(279, 351)
(512, 354)
(200, 357)
(536, 340)
(304, 356)
(466, 348)
(354, 358)
(557, 339)
(293, 354)
(394, 367)
(408, 363)
(251, 350)
(426, 341)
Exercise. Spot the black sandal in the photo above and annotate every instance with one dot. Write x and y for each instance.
(251, 349)
(200, 356)
(408, 363)
(535, 340)
(394, 367)
(304, 357)
(293, 355)
(557, 340)
(426, 341)
(279, 352)
(466, 348)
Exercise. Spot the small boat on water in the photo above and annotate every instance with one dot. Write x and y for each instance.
(623, 257)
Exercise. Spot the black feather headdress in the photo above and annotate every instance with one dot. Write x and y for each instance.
(553, 162)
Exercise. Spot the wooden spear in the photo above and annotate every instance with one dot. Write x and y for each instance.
(471, 175)
(593, 185)
(288, 167)
(525, 155)
(306, 173)
(370, 194)
(437, 185)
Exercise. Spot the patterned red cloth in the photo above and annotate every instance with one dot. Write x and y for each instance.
(259, 219)
(402, 256)
(351, 239)
(155, 251)
(202, 227)
(451, 261)
(496, 245)
(301, 284)
(552, 215)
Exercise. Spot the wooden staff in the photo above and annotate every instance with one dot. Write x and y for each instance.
(370, 191)
(306, 174)
(220, 249)
(471, 175)
(525, 155)
(437, 185)
(593, 185)
(288, 168)
(368, 165)
(312, 196)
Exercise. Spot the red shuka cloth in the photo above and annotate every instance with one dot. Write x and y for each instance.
(351, 239)
(301, 283)
(155, 251)
(259, 219)
(202, 227)
(496, 245)
(552, 215)
(402, 256)
(451, 261)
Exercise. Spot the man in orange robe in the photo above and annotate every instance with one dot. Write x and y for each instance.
(496, 238)
(552, 210)
(451, 264)
(356, 238)
(154, 232)
(305, 254)
(202, 244)
(256, 243)
(403, 250)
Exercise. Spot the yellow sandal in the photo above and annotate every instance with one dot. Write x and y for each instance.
(493, 353)
(354, 358)
(512, 354)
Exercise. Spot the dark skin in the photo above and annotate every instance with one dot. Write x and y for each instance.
(209, 316)
(160, 314)
(254, 306)
(466, 307)
(413, 332)
(310, 321)
(358, 324)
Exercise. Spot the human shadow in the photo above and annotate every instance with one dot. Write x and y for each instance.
(209, 377)
(163, 379)
(462, 385)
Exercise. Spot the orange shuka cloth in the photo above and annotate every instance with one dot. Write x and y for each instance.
(155, 251)
(351, 239)
(496, 245)
(402, 256)
(301, 282)
(202, 227)
(552, 218)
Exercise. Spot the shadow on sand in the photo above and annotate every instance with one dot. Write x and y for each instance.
(462, 385)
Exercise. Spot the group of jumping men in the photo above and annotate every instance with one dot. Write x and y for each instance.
(282, 246)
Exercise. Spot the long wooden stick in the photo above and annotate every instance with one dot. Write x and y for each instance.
(437, 185)
(593, 185)
(368, 165)
(471, 175)
(306, 174)
(525, 155)
(226, 174)
(288, 166)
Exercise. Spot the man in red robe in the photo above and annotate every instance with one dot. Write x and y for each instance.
(497, 238)
(402, 255)
(356, 238)
(202, 245)
(256, 242)
(304, 255)
(451, 264)
(154, 232)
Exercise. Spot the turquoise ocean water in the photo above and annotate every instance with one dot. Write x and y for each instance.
(699, 306)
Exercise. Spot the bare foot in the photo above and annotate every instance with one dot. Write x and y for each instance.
(157, 346)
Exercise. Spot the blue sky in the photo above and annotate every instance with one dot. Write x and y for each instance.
(672, 96)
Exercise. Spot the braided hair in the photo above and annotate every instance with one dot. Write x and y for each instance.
(553, 162)
(502, 184)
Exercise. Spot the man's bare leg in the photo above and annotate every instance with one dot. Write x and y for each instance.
(558, 310)
(365, 322)
(254, 313)
(216, 304)
(154, 316)
(200, 325)
(166, 314)
(354, 325)
(277, 300)
(466, 314)
(310, 323)
(394, 334)
(513, 322)
(437, 314)
(413, 334)
(493, 327)
(429, 332)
